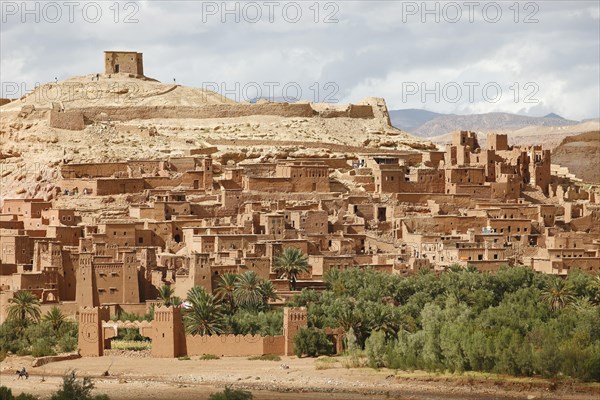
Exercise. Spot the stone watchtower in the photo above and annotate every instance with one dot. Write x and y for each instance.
(128, 62)
(294, 318)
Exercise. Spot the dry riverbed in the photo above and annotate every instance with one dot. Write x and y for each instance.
(306, 378)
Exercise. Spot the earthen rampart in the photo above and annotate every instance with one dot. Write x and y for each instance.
(206, 111)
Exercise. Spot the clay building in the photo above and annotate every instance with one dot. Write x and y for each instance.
(125, 62)
(189, 220)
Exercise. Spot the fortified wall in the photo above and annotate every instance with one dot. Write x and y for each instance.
(125, 113)
(169, 339)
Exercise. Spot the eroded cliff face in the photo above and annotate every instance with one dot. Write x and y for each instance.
(581, 155)
(122, 117)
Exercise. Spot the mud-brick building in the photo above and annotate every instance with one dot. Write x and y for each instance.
(128, 62)
(290, 176)
(104, 279)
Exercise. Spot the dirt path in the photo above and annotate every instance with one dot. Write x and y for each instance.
(149, 378)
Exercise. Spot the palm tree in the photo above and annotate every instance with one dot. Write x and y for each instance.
(557, 293)
(23, 308)
(55, 318)
(462, 268)
(248, 292)
(165, 293)
(268, 292)
(289, 263)
(581, 304)
(205, 315)
(347, 317)
(176, 301)
(225, 290)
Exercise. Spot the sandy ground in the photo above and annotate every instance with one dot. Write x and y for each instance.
(149, 378)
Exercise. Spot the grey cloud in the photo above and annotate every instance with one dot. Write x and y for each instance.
(370, 51)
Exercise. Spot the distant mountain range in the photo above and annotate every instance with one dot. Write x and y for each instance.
(429, 124)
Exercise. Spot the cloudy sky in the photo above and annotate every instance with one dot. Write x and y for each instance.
(459, 57)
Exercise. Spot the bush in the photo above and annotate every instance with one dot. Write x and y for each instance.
(42, 348)
(26, 396)
(73, 389)
(130, 334)
(133, 345)
(6, 393)
(23, 351)
(376, 349)
(265, 357)
(312, 342)
(231, 394)
(209, 357)
(67, 344)
(38, 339)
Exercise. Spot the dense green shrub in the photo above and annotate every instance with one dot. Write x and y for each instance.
(376, 348)
(42, 348)
(312, 342)
(6, 394)
(516, 321)
(39, 339)
(67, 344)
(245, 322)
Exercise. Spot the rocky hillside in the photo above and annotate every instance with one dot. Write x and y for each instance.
(428, 124)
(146, 123)
(581, 155)
(411, 119)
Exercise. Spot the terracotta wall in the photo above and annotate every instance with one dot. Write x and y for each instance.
(93, 170)
(252, 183)
(234, 345)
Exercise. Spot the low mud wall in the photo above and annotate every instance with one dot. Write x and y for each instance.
(304, 110)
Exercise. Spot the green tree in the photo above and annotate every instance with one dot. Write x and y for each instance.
(248, 292)
(55, 318)
(205, 314)
(557, 293)
(289, 263)
(23, 308)
(311, 342)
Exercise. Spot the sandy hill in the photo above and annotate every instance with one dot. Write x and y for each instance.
(130, 118)
(581, 155)
(118, 90)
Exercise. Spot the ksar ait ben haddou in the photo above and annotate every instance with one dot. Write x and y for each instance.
(161, 238)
